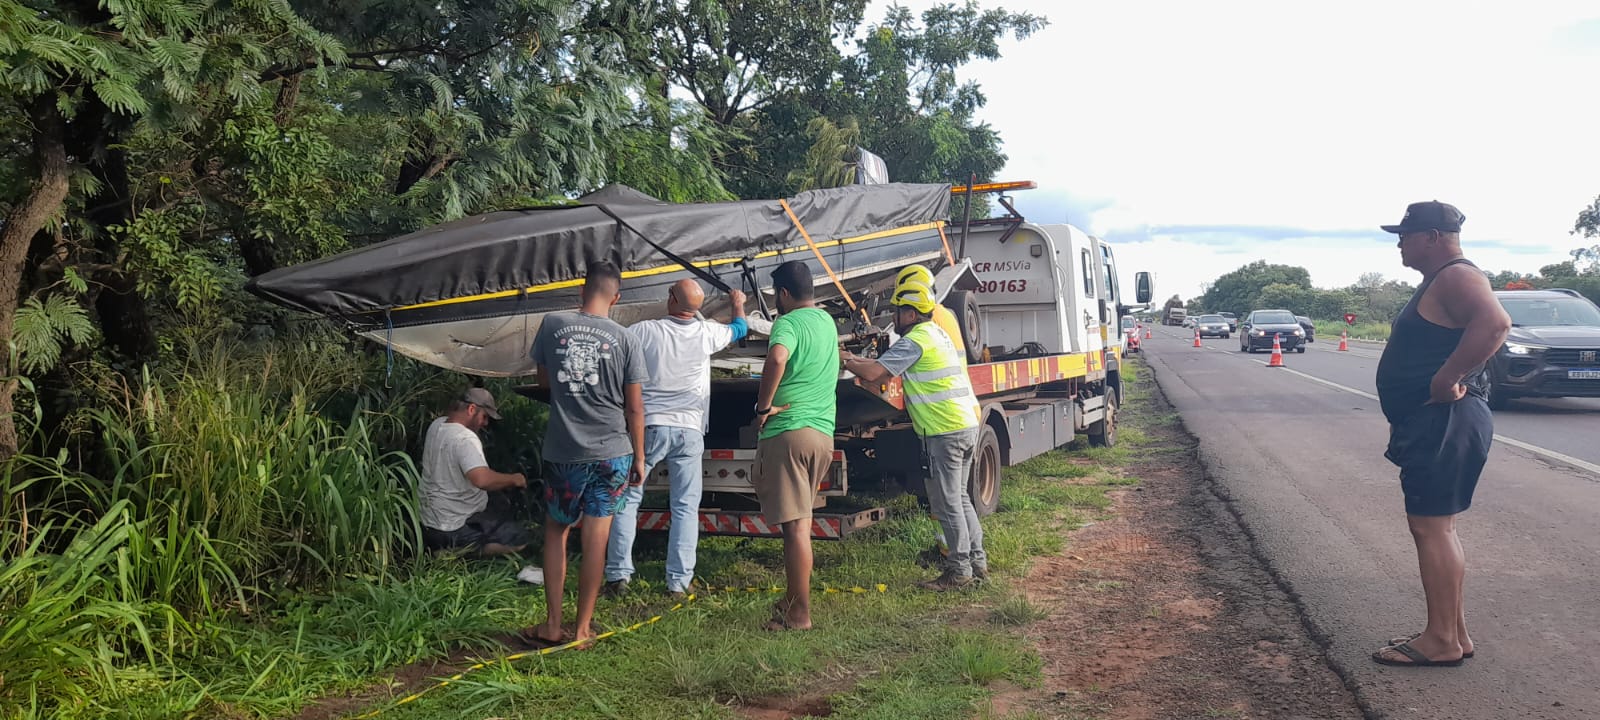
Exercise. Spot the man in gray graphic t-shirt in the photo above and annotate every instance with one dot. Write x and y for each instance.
(593, 444)
(590, 358)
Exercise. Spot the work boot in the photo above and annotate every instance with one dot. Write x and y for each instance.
(948, 580)
(677, 595)
(980, 573)
(615, 589)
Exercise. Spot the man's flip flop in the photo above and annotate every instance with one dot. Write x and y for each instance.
(1413, 636)
(780, 624)
(530, 638)
(1417, 659)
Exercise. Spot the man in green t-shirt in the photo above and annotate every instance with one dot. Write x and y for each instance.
(795, 410)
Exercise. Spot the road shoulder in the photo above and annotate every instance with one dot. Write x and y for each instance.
(1161, 610)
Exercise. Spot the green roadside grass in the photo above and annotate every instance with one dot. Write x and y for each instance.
(1328, 330)
(898, 653)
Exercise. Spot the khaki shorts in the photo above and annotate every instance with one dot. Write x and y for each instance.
(790, 469)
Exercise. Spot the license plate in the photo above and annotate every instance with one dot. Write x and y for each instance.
(1583, 374)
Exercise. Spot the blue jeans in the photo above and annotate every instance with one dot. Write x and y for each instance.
(680, 449)
(949, 465)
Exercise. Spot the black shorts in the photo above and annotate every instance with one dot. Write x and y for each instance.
(482, 528)
(1441, 450)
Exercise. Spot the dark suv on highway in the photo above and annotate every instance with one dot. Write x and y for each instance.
(1259, 327)
(1553, 349)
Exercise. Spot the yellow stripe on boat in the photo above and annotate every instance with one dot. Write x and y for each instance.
(660, 269)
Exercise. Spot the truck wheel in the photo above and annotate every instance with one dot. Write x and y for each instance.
(964, 305)
(1104, 432)
(984, 484)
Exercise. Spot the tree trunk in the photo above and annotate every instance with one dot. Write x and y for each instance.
(425, 163)
(288, 95)
(256, 252)
(125, 319)
(45, 200)
(415, 170)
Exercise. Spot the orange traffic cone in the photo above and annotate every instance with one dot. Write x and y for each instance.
(1344, 341)
(1197, 338)
(1147, 334)
(1277, 352)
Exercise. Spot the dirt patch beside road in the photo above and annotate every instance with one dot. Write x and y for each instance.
(1163, 612)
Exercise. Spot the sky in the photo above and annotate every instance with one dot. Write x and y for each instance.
(1200, 136)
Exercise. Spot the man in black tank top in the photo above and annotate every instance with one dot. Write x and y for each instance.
(1440, 428)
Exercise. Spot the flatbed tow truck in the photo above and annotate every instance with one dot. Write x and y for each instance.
(1040, 310)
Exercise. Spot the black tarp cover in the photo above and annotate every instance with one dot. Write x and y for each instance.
(522, 249)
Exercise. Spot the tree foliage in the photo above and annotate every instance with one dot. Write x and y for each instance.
(1239, 291)
(1260, 285)
(163, 151)
(1569, 274)
(765, 72)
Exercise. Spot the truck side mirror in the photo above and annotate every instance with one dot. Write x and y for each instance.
(1142, 287)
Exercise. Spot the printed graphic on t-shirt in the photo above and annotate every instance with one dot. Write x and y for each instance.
(581, 350)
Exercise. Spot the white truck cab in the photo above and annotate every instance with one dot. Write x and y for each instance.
(1038, 288)
(1047, 289)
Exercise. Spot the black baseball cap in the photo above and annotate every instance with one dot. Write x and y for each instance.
(1430, 215)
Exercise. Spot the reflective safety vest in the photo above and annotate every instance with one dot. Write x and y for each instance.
(938, 391)
(946, 321)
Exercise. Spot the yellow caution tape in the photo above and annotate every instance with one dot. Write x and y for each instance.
(855, 590)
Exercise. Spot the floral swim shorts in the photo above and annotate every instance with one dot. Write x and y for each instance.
(587, 488)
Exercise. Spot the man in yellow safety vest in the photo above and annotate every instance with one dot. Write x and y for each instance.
(944, 413)
(942, 316)
(946, 320)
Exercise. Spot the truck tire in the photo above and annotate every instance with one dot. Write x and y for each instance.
(964, 305)
(984, 485)
(1104, 432)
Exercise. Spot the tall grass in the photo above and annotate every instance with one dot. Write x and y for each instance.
(66, 640)
(239, 493)
(213, 488)
(1328, 330)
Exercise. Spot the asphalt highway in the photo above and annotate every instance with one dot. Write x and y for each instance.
(1298, 453)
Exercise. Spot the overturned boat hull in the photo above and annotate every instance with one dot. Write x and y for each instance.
(470, 295)
(491, 337)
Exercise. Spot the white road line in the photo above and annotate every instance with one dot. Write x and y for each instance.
(1535, 449)
(1329, 383)
(1553, 455)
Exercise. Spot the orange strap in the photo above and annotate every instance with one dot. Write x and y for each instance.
(942, 238)
(818, 252)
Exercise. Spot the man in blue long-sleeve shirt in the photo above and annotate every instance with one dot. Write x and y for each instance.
(677, 352)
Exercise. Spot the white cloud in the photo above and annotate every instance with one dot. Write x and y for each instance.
(1328, 118)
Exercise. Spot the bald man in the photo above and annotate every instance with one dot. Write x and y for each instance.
(677, 353)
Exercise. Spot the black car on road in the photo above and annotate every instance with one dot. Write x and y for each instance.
(1261, 326)
(1553, 349)
(1213, 325)
(1233, 321)
(1307, 325)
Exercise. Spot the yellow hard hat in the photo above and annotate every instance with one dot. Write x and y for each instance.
(914, 294)
(914, 272)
